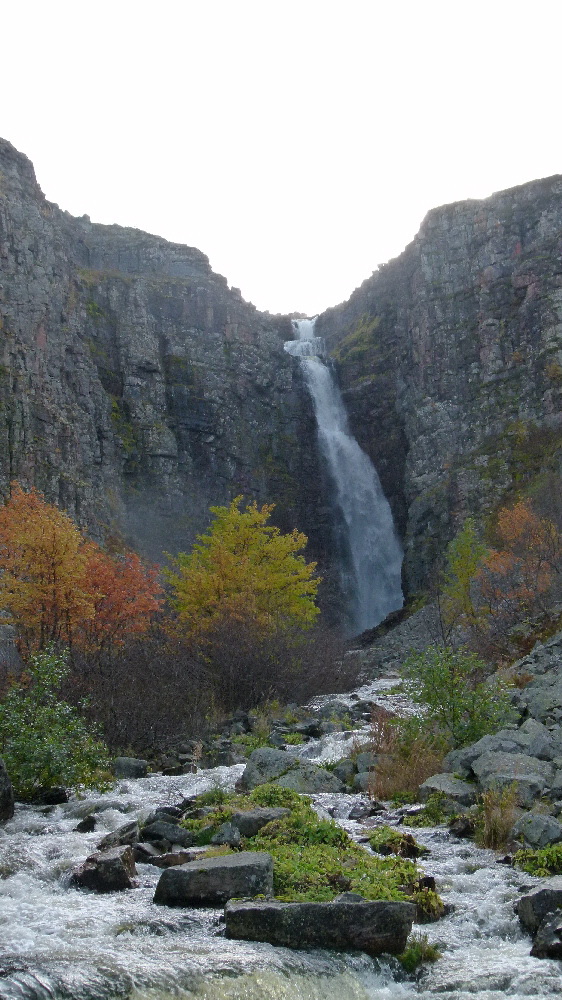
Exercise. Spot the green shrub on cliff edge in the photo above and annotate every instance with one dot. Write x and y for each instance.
(43, 741)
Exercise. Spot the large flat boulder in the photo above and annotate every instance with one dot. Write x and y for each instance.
(6, 795)
(534, 906)
(160, 831)
(445, 784)
(373, 927)
(130, 767)
(281, 768)
(213, 881)
(264, 765)
(537, 830)
(548, 939)
(310, 779)
(529, 775)
(106, 871)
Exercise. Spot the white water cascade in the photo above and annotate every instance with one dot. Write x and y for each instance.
(371, 580)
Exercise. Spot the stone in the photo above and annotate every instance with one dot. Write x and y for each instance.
(6, 794)
(308, 778)
(459, 791)
(130, 767)
(106, 871)
(366, 761)
(529, 775)
(537, 830)
(533, 907)
(264, 765)
(362, 781)
(54, 796)
(126, 834)
(86, 825)
(168, 831)
(373, 927)
(249, 823)
(212, 881)
(548, 939)
(462, 826)
(345, 770)
(227, 833)
(146, 854)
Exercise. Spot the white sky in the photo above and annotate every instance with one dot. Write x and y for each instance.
(297, 143)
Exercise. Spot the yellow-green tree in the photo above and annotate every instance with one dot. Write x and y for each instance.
(245, 568)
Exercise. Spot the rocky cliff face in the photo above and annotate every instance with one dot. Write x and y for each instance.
(450, 358)
(136, 388)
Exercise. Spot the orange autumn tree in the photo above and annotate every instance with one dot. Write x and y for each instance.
(125, 595)
(42, 566)
(56, 586)
(516, 578)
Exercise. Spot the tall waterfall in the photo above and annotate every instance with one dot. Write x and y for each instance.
(371, 578)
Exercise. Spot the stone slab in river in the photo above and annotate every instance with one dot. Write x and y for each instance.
(460, 791)
(213, 881)
(374, 927)
(106, 871)
(130, 767)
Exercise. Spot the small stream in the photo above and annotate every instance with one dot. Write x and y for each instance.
(60, 943)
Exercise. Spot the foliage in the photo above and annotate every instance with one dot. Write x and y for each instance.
(43, 564)
(543, 862)
(275, 796)
(432, 813)
(244, 568)
(459, 705)
(463, 561)
(497, 813)
(125, 595)
(43, 741)
(389, 840)
(418, 950)
(58, 587)
(414, 756)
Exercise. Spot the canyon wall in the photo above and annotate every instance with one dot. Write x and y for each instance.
(136, 388)
(450, 358)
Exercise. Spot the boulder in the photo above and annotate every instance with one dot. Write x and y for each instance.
(126, 834)
(227, 833)
(168, 831)
(548, 940)
(372, 927)
(345, 770)
(362, 781)
(6, 795)
(264, 765)
(506, 741)
(534, 906)
(366, 760)
(249, 823)
(308, 778)
(212, 881)
(106, 871)
(459, 791)
(529, 775)
(147, 854)
(130, 767)
(537, 830)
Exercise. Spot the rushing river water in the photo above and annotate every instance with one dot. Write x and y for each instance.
(58, 942)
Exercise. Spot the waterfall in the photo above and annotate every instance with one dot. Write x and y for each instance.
(371, 577)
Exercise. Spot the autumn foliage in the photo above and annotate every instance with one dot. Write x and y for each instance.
(58, 587)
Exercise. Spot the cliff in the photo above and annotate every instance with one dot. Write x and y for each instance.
(450, 358)
(136, 388)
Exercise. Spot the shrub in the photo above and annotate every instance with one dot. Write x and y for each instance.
(401, 772)
(543, 862)
(497, 814)
(43, 741)
(459, 704)
(418, 950)
(389, 840)
(432, 813)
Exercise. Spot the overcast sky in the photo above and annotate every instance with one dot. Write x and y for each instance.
(298, 143)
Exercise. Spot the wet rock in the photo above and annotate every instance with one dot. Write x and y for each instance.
(249, 823)
(212, 881)
(534, 906)
(126, 834)
(461, 792)
(168, 831)
(130, 767)
(345, 770)
(106, 871)
(55, 796)
(147, 854)
(264, 765)
(372, 927)
(537, 830)
(366, 760)
(6, 794)
(86, 825)
(362, 781)
(548, 940)
(462, 826)
(361, 810)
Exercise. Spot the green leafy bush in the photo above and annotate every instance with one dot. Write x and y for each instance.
(273, 795)
(543, 862)
(418, 950)
(459, 704)
(43, 741)
(432, 813)
(389, 840)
